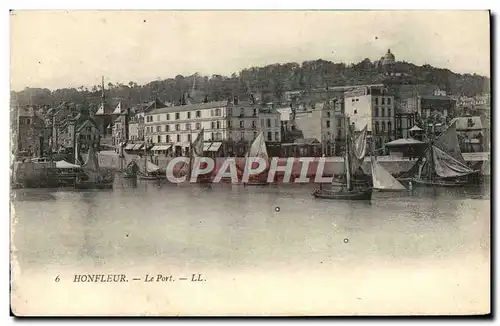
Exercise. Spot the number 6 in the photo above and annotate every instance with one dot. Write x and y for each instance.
(57, 278)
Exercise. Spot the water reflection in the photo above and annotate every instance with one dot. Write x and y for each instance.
(230, 225)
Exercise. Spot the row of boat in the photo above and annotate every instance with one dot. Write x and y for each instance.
(144, 169)
(442, 165)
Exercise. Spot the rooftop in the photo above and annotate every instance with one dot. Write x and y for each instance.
(468, 123)
(190, 107)
(404, 142)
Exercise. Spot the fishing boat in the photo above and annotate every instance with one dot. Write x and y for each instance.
(258, 149)
(128, 166)
(353, 159)
(443, 164)
(195, 153)
(381, 178)
(149, 170)
(94, 178)
(131, 170)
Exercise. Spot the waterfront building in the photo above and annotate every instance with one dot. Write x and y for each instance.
(30, 127)
(104, 115)
(473, 133)
(430, 105)
(317, 122)
(232, 123)
(404, 122)
(136, 127)
(373, 107)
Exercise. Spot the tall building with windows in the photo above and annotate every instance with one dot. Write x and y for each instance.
(226, 122)
(270, 124)
(373, 107)
(318, 122)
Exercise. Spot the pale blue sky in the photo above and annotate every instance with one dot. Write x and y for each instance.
(69, 49)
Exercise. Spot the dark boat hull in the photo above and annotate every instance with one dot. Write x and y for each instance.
(129, 176)
(390, 190)
(438, 183)
(151, 177)
(93, 185)
(364, 194)
(256, 183)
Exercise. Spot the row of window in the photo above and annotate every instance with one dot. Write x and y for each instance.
(214, 125)
(216, 136)
(385, 100)
(241, 112)
(380, 112)
(197, 114)
(389, 126)
(177, 115)
(178, 138)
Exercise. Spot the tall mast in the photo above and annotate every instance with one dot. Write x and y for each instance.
(431, 161)
(347, 163)
(145, 159)
(102, 90)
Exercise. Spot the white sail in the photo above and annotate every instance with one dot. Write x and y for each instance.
(91, 165)
(197, 146)
(448, 142)
(358, 149)
(258, 147)
(382, 179)
(446, 166)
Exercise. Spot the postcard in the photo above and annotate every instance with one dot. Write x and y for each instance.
(250, 163)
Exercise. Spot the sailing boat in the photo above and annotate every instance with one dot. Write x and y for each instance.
(94, 178)
(382, 179)
(444, 164)
(195, 151)
(150, 171)
(131, 169)
(354, 157)
(258, 149)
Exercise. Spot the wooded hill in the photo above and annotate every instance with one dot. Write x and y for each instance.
(270, 81)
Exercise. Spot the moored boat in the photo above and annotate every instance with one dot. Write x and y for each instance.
(356, 194)
(258, 149)
(382, 180)
(94, 178)
(443, 164)
(354, 157)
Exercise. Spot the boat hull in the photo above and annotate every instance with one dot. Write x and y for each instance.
(364, 194)
(438, 183)
(93, 185)
(256, 183)
(129, 176)
(390, 190)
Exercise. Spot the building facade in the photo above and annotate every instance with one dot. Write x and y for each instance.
(317, 122)
(404, 121)
(430, 105)
(372, 107)
(30, 136)
(230, 122)
(133, 130)
(270, 124)
(473, 134)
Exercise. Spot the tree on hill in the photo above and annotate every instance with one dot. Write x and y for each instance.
(271, 81)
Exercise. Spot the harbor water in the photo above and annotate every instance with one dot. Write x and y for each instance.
(259, 250)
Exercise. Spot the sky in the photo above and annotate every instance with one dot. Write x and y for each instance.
(58, 49)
